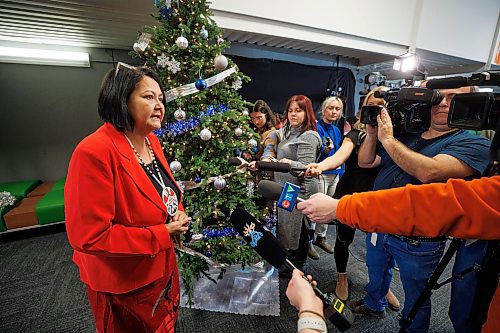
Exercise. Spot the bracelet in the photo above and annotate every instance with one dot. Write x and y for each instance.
(313, 312)
(311, 323)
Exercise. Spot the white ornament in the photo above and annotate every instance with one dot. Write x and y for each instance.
(220, 183)
(162, 60)
(236, 83)
(175, 166)
(197, 237)
(238, 131)
(142, 42)
(252, 142)
(182, 42)
(250, 188)
(203, 33)
(179, 114)
(245, 112)
(173, 65)
(220, 40)
(220, 62)
(205, 134)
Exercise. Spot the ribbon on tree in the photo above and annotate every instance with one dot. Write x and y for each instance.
(190, 88)
(190, 184)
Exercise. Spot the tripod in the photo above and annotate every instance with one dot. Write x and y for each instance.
(433, 283)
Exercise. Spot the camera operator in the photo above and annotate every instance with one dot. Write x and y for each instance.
(435, 155)
(467, 209)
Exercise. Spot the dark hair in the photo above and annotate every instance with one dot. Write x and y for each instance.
(117, 86)
(271, 118)
(304, 104)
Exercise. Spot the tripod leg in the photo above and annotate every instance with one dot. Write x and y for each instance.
(427, 291)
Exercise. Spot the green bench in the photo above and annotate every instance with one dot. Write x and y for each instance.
(19, 190)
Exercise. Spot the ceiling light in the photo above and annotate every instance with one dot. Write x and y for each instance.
(405, 63)
(18, 55)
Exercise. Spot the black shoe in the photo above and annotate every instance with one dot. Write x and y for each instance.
(323, 244)
(311, 252)
(359, 307)
(284, 272)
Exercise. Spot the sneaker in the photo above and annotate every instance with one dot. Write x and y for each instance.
(359, 307)
(311, 252)
(323, 244)
(392, 301)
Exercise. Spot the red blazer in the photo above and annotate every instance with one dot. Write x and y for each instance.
(115, 218)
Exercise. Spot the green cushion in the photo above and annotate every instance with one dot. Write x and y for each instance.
(59, 184)
(20, 189)
(50, 208)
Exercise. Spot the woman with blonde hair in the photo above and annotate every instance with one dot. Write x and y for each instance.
(355, 179)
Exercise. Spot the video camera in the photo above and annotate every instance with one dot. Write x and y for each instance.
(409, 108)
(474, 111)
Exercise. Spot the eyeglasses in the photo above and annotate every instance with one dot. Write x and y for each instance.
(120, 64)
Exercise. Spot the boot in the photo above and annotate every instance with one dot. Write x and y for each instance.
(392, 301)
(323, 244)
(342, 288)
(311, 252)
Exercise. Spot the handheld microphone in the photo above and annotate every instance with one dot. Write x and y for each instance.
(271, 250)
(236, 161)
(277, 167)
(272, 190)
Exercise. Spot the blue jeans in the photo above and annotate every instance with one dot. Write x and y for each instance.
(416, 264)
(463, 291)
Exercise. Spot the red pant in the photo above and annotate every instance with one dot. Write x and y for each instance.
(152, 308)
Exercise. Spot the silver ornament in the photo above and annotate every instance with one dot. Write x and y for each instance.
(182, 42)
(220, 62)
(220, 183)
(175, 166)
(238, 131)
(203, 33)
(179, 114)
(252, 142)
(142, 42)
(245, 112)
(205, 134)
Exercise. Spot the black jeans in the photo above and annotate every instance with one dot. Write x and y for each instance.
(345, 236)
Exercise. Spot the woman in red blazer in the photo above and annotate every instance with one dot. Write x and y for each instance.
(123, 208)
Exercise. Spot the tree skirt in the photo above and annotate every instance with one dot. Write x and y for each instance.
(252, 291)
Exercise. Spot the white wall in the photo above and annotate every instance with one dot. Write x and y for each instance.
(461, 28)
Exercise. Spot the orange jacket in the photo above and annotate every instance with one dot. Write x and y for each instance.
(458, 208)
(115, 219)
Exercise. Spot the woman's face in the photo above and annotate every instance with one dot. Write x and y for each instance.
(296, 116)
(145, 105)
(258, 119)
(374, 101)
(332, 111)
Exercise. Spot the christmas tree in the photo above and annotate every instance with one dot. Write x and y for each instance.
(207, 122)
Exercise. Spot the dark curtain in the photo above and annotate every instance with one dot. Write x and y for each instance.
(274, 81)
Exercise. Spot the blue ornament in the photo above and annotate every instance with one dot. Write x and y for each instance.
(208, 253)
(255, 150)
(238, 152)
(200, 84)
(165, 12)
(197, 179)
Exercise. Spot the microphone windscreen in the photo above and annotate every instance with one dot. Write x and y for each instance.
(261, 240)
(236, 161)
(447, 83)
(273, 166)
(269, 189)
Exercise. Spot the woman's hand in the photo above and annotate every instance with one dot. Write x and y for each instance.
(178, 224)
(314, 169)
(300, 293)
(252, 166)
(285, 160)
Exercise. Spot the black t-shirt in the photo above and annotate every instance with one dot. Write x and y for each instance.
(355, 178)
(166, 179)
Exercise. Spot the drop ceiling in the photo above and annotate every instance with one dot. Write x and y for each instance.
(116, 23)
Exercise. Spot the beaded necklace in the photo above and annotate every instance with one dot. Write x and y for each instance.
(168, 195)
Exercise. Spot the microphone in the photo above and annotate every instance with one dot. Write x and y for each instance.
(277, 166)
(271, 250)
(272, 190)
(236, 161)
(447, 83)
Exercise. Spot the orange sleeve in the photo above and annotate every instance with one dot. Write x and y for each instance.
(458, 208)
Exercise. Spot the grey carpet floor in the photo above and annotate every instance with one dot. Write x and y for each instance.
(40, 291)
